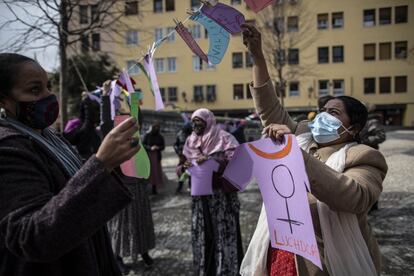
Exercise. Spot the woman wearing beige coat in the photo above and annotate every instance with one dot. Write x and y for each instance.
(341, 195)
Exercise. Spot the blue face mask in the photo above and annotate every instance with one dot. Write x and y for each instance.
(325, 127)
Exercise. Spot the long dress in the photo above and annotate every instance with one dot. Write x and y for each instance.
(132, 229)
(216, 237)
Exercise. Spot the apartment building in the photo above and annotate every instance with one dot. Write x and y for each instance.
(358, 48)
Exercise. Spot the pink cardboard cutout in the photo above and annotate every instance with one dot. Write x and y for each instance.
(258, 5)
(280, 173)
(189, 40)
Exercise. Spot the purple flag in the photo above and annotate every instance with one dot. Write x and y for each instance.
(258, 5)
(202, 177)
(189, 40)
(229, 18)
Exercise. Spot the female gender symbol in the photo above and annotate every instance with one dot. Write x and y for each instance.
(285, 190)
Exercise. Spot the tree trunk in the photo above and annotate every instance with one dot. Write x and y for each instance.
(63, 42)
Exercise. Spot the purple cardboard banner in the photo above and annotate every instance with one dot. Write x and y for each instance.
(126, 79)
(149, 67)
(280, 172)
(229, 18)
(202, 177)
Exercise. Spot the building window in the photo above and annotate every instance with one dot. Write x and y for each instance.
(198, 93)
(237, 60)
(338, 87)
(170, 5)
(96, 42)
(337, 20)
(293, 56)
(196, 31)
(401, 14)
(401, 49)
(369, 51)
(238, 92)
(249, 59)
(400, 84)
(131, 7)
(293, 89)
(369, 18)
(94, 13)
(83, 14)
(385, 51)
(132, 37)
(385, 16)
(158, 34)
(323, 55)
(293, 24)
(323, 88)
(172, 64)
(385, 85)
(235, 2)
(159, 65)
(323, 21)
(279, 25)
(172, 94)
(85, 43)
(369, 85)
(158, 6)
(338, 54)
(248, 93)
(171, 34)
(194, 3)
(162, 92)
(211, 93)
(197, 64)
(132, 67)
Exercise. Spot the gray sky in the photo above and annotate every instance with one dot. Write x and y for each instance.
(47, 57)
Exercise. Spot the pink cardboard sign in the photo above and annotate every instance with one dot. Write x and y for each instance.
(229, 18)
(258, 5)
(280, 173)
(128, 167)
(189, 40)
(202, 177)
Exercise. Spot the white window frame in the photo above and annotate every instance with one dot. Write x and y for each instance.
(197, 64)
(323, 92)
(134, 68)
(159, 65)
(158, 33)
(338, 91)
(172, 64)
(132, 37)
(294, 93)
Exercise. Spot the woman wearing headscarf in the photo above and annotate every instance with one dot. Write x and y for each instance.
(154, 144)
(345, 179)
(53, 208)
(216, 238)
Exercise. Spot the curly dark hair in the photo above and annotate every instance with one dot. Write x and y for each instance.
(10, 65)
(357, 113)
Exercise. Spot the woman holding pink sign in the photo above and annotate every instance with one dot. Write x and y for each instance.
(216, 238)
(345, 180)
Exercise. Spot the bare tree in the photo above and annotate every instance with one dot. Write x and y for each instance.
(64, 23)
(287, 29)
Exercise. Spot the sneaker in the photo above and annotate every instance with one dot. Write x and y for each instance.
(147, 259)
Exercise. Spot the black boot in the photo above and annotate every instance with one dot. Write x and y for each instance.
(147, 259)
(154, 190)
(124, 269)
(180, 187)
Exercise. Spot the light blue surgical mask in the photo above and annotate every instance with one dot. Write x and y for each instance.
(325, 127)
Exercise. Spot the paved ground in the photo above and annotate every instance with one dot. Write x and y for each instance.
(392, 223)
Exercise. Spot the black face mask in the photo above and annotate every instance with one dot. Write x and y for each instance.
(198, 128)
(38, 114)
